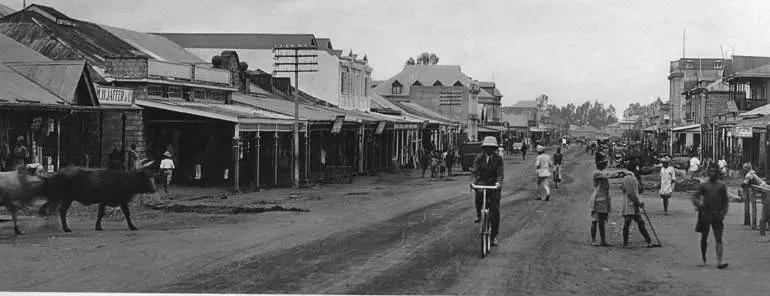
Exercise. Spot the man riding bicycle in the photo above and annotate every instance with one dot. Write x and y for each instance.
(488, 171)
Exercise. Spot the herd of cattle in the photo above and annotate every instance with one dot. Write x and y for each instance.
(88, 186)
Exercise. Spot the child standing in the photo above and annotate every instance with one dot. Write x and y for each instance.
(167, 170)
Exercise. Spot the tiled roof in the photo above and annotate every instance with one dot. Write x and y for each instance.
(448, 75)
(59, 77)
(13, 51)
(15, 89)
(525, 104)
(237, 40)
(155, 46)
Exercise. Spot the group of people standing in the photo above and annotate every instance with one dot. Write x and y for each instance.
(439, 162)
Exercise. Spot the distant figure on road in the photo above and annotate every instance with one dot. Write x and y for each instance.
(631, 208)
(543, 164)
(132, 158)
(524, 147)
(751, 178)
(694, 164)
(167, 168)
(722, 166)
(667, 181)
(450, 161)
(558, 158)
(599, 205)
(488, 171)
(712, 204)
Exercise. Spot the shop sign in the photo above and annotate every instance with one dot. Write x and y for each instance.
(114, 95)
(337, 126)
(743, 132)
(380, 128)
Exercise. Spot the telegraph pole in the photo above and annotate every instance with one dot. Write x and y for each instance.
(295, 59)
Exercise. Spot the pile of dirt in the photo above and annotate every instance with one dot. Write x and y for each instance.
(686, 185)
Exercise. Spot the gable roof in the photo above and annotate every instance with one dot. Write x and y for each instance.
(516, 120)
(13, 51)
(15, 89)
(448, 75)
(238, 40)
(59, 77)
(486, 95)
(525, 104)
(155, 46)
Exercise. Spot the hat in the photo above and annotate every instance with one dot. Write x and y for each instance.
(20, 138)
(540, 148)
(747, 166)
(167, 154)
(489, 142)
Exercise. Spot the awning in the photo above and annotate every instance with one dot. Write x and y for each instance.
(692, 128)
(753, 122)
(756, 112)
(535, 129)
(249, 119)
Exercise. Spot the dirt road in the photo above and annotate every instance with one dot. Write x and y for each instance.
(413, 238)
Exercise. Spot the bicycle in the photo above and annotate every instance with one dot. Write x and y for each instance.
(486, 225)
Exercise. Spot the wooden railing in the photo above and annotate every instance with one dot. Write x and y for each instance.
(751, 193)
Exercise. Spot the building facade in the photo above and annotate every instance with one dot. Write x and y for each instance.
(685, 74)
(491, 100)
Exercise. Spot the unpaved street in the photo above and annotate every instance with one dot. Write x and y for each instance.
(412, 238)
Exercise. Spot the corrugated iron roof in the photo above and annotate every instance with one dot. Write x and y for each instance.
(5, 10)
(747, 66)
(525, 104)
(237, 40)
(13, 51)
(516, 120)
(426, 113)
(382, 102)
(306, 112)
(18, 90)
(226, 112)
(59, 77)
(156, 46)
(759, 111)
(485, 95)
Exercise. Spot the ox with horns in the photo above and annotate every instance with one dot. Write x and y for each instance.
(105, 187)
(18, 189)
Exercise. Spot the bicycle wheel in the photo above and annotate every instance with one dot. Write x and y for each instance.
(484, 234)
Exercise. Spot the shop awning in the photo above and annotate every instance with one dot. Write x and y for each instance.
(249, 119)
(692, 128)
(763, 122)
(535, 129)
(756, 112)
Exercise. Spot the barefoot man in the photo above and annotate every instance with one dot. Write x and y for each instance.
(712, 204)
(599, 205)
(631, 206)
(667, 180)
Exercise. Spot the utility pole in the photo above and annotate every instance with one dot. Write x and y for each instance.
(295, 59)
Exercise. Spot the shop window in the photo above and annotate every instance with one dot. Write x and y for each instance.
(218, 95)
(174, 92)
(155, 90)
(199, 94)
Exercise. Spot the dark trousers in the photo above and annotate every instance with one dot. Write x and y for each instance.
(493, 203)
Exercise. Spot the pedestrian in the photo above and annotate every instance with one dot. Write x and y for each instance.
(722, 166)
(667, 181)
(599, 205)
(557, 161)
(694, 164)
(751, 178)
(132, 156)
(167, 169)
(631, 208)
(20, 155)
(450, 161)
(524, 147)
(543, 164)
(488, 170)
(712, 204)
(427, 157)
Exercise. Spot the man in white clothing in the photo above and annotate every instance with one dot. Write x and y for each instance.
(667, 180)
(694, 164)
(167, 168)
(543, 164)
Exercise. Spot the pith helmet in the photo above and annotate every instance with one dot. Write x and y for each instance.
(489, 142)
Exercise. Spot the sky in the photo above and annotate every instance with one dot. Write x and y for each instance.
(616, 52)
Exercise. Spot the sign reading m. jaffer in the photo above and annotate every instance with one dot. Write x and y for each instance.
(114, 96)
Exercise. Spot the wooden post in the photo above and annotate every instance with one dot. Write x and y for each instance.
(236, 164)
(361, 132)
(275, 156)
(753, 210)
(307, 152)
(258, 140)
(58, 144)
(746, 205)
(763, 221)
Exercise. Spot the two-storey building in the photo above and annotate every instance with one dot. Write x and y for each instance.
(490, 99)
(684, 74)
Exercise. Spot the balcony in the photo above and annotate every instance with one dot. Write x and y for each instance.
(142, 68)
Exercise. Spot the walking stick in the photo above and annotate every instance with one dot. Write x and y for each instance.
(658, 245)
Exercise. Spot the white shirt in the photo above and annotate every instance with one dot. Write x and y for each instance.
(722, 163)
(694, 163)
(543, 163)
(166, 164)
(666, 176)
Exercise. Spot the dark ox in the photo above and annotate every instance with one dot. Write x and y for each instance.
(105, 187)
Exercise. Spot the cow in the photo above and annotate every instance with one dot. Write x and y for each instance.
(18, 189)
(103, 186)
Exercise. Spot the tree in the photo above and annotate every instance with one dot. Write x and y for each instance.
(595, 114)
(410, 61)
(427, 58)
